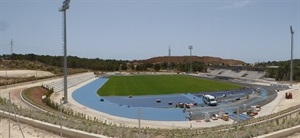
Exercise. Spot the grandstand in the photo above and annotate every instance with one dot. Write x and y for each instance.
(72, 81)
(227, 73)
(215, 72)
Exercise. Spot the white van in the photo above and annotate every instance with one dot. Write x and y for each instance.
(210, 100)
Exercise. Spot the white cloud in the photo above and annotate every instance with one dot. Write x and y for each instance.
(234, 5)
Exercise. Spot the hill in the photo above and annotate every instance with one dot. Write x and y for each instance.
(17, 71)
(25, 64)
(186, 59)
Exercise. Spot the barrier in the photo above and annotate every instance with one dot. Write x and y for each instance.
(207, 117)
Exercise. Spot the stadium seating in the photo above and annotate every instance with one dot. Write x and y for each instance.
(72, 81)
(237, 74)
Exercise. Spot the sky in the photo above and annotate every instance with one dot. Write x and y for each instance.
(247, 30)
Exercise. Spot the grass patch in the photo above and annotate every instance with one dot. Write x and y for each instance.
(34, 96)
(160, 84)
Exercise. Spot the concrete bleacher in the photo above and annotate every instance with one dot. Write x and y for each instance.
(72, 81)
(237, 74)
(255, 74)
(215, 72)
(57, 86)
(234, 74)
(231, 74)
(226, 72)
(251, 74)
(260, 75)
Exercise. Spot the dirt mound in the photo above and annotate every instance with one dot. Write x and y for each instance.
(186, 59)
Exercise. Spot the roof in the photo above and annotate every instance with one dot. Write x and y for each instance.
(209, 96)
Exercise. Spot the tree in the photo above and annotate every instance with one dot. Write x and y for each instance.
(157, 67)
(123, 66)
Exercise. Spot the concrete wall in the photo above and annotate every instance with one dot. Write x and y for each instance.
(67, 132)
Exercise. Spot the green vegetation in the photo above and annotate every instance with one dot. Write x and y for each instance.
(282, 73)
(34, 96)
(160, 84)
(101, 64)
(74, 62)
(21, 64)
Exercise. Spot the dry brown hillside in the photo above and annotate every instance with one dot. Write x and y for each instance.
(185, 59)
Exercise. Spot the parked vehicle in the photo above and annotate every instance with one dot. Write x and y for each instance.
(210, 100)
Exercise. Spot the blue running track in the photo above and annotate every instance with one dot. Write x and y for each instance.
(124, 106)
(87, 96)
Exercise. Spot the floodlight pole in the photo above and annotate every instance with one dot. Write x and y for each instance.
(60, 104)
(169, 56)
(64, 10)
(291, 72)
(191, 48)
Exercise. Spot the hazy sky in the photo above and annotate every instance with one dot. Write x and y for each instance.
(248, 30)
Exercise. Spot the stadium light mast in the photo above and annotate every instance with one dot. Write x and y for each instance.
(63, 9)
(169, 56)
(292, 50)
(191, 48)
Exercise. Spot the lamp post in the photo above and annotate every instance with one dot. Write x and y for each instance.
(64, 10)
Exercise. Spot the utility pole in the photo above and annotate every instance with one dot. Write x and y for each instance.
(64, 10)
(11, 47)
(292, 50)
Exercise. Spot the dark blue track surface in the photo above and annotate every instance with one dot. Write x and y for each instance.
(150, 101)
